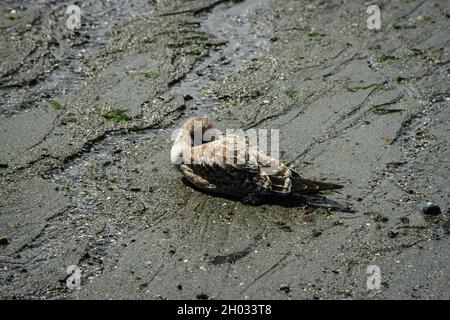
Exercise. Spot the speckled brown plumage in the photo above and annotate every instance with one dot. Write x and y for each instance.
(231, 165)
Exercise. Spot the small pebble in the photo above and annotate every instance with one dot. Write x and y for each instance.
(285, 289)
(429, 208)
(202, 296)
(392, 234)
(3, 240)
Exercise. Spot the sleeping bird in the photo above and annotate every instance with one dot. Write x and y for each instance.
(232, 165)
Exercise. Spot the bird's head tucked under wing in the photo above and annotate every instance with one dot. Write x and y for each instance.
(196, 128)
(193, 132)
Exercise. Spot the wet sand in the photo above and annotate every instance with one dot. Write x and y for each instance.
(86, 120)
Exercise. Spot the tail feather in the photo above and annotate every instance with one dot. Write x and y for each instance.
(300, 184)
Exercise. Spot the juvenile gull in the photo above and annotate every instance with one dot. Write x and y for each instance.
(232, 165)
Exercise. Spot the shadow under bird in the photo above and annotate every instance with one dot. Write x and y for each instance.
(231, 165)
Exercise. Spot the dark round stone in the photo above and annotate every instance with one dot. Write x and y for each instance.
(3, 240)
(431, 209)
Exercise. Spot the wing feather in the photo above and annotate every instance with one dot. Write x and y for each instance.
(231, 164)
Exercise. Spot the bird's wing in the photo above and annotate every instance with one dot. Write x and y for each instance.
(232, 164)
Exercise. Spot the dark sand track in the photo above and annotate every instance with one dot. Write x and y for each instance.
(367, 109)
